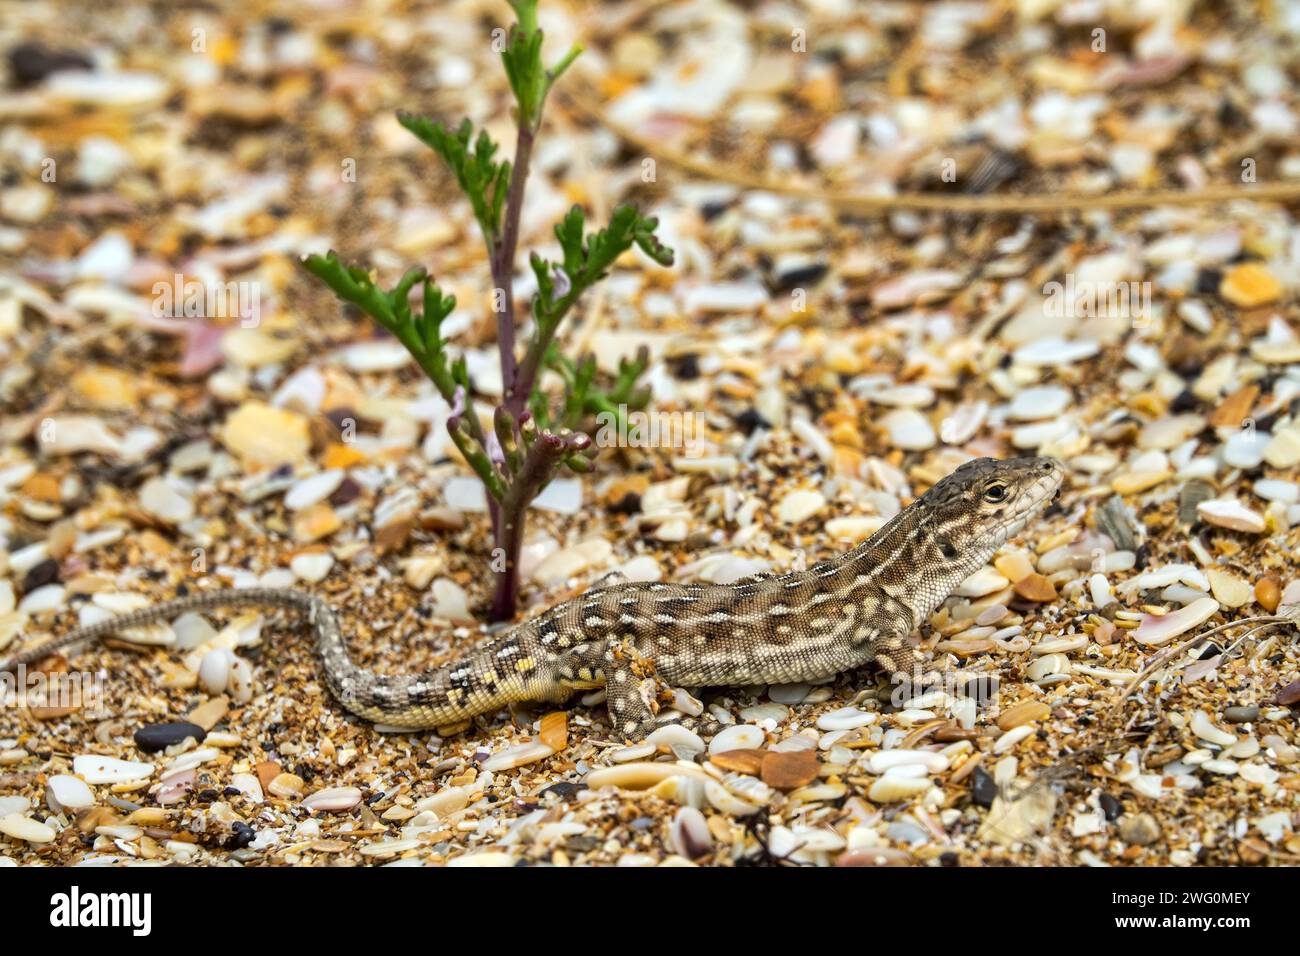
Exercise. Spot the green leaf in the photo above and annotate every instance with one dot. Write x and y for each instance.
(485, 182)
(529, 80)
(419, 332)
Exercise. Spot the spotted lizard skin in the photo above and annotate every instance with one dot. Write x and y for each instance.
(637, 639)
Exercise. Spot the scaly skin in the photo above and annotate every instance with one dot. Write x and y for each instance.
(636, 638)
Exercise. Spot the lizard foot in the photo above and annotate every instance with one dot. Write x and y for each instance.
(632, 703)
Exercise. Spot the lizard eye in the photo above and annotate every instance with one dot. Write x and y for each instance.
(995, 492)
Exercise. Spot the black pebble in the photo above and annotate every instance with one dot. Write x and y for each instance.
(564, 789)
(347, 491)
(685, 367)
(1110, 806)
(982, 788)
(30, 63)
(800, 276)
(242, 836)
(1207, 281)
(750, 419)
(712, 210)
(47, 572)
(629, 504)
(154, 737)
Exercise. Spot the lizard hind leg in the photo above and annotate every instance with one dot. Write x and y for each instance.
(632, 702)
(631, 688)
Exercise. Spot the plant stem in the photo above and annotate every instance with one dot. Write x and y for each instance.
(508, 518)
(503, 267)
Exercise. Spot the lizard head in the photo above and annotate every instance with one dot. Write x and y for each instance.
(972, 512)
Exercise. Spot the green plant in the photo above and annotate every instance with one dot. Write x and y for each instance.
(527, 442)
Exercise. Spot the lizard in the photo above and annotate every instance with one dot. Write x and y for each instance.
(636, 638)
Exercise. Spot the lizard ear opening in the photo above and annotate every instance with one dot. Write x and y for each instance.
(946, 548)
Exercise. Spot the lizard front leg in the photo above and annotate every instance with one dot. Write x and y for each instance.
(904, 663)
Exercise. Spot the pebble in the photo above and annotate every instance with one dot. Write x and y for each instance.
(635, 752)
(96, 769)
(908, 429)
(313, 489)
(749, 760)
(1203, 727)
(875, 856)
(554, 731)
(1023, 713)
(853, 528)
(154, 737)
(1054, 352)
(726, 297)
(66, 792)
(892, 789)
(1231, 514)
(983, 582)
(689, 834)
(1241, 715)
(1228, 768)
(214, 670)
(846, 718)
(640, 775)
(1036, 404)
(333, 799)
(311, 566)
(263, 435)
(1250, 285)
(159, 498)
(1012, 737)
(285, 785)
(210, 713)
(451, 602)
(727, 802)
(737, 737)
(1048, 666)
(788, 693)
(1259, 774)
(380, 355)
(1274, 489)
(1289, 695)
(49, 597)
(1245, 449)
(1037, 588)
(1155, 630)
(240, 685)
(517, 756)
(800, 505)
(1139, 829)
(789, 770)
(883, 761)
(679, 740)
(1228, 589)
(25, 828)
(1283, 451)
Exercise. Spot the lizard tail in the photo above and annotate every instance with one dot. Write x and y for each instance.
(233, 597)
(509, 669)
